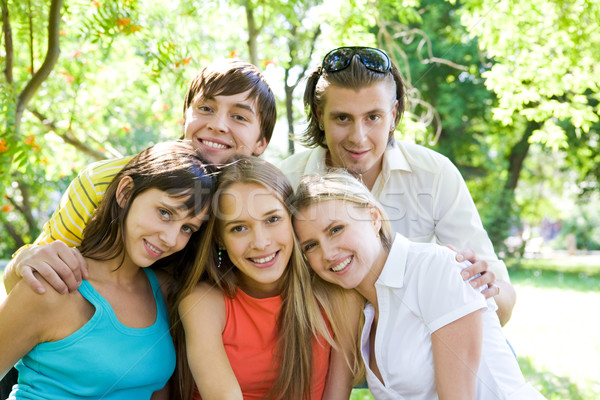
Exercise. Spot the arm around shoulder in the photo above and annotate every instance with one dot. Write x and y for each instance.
(203, 316)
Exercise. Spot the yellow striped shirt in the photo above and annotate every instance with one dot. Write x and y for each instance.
(78, 203)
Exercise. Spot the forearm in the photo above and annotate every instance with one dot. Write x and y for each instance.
(505, 300)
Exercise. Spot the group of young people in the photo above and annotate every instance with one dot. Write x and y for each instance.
(196, 270)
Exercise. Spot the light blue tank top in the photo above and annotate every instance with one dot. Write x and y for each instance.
(103, 359)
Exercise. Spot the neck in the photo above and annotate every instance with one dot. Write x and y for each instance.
(367, 287)
(114, 270)
(367, 177)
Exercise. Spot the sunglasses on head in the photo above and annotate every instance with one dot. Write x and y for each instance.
(340, 58)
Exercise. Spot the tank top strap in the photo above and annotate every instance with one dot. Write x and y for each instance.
(155, 285)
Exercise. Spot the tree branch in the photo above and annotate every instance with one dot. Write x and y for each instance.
(31, 39)
(19, 242)
(68, 136)
(47, 66)
(31, 223)
(8, 43)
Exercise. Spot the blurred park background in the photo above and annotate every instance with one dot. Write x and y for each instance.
(508, 90)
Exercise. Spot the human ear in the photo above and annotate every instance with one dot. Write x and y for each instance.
(259, 147)
(124, 191)
(375, 218)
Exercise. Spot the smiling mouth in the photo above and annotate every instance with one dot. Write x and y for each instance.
(157, 252)
(214, 145)
(264, 260)
(342, 265)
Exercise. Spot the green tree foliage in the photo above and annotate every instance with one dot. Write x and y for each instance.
(508, 91)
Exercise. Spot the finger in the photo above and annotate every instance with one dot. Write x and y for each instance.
(491, 291)
(484, 280)
(82, 263)
(452, 248)
(479, 267)
(29, 277)
(467, 254)
(57, 274)
(71, 261)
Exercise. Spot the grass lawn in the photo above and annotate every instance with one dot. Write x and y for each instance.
(555, 327)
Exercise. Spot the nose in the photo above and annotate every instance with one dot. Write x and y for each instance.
(218, 123)
(261, 239)
(169, 235)
(358, 133)
(329, 251)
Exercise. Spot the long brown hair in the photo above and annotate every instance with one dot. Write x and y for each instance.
(174, 167)
(300, 317)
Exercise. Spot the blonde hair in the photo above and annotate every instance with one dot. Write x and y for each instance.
(340, 185)
(300, 318)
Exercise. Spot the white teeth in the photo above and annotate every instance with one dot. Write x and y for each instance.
(214, 145)
(342, 265)
(154, 249)
(264, 260)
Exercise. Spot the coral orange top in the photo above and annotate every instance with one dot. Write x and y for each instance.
(250, 339)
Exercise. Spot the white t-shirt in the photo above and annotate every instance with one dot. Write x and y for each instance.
(424, 195)
(420, 290)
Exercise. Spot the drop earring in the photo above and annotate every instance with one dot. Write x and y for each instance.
(219, 255)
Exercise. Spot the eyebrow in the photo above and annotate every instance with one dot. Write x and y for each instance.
(373, 111)
(245, 107)
(238, 105)
(265, 214)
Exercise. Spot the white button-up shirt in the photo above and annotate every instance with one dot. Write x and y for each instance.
(424, 195)
(419, 291)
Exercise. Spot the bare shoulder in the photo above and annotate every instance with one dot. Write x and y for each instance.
(206, 294)
(205, 303)
(41, 314)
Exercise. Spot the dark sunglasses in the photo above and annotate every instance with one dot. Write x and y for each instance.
(340, 58)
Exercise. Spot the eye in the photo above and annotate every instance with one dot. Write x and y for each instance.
(272, 219)
(238, 228)
(336, 229)
(164, 214)
(204, 108)
(308, 247)
(342, 118)
(188, 230)
(374, 117)
(240, 118)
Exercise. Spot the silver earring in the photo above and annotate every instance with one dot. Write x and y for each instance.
(219, 254)
(321, 126)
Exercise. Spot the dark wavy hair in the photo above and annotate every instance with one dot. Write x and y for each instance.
(233, 78)
(174, 167)
(356, 76)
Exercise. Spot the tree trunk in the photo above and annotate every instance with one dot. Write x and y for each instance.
(289, 98)
(253, 33)
(517, 155)
(47, 66)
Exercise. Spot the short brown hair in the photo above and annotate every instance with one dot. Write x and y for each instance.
(232, 78)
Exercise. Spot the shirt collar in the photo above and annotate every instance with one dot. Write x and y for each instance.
(392, 274)
(394, 158)
(317, 161)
